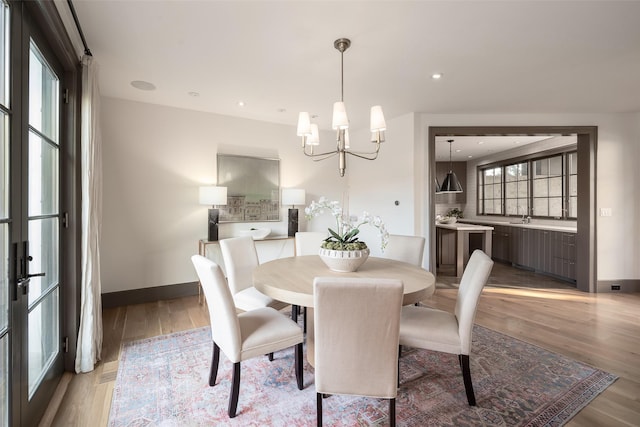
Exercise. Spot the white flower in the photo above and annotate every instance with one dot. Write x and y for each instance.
(343, 224)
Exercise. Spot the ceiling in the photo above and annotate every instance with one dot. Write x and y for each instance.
(278, 56)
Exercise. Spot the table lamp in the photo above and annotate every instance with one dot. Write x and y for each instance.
(213, 196)
(293, 196)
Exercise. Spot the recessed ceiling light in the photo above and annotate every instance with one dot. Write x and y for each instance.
(194, 94)
(142, 85)
(241, 104)
(458, 150)
(436, 76)
(516, 142)
(469, 156)
(480, 142)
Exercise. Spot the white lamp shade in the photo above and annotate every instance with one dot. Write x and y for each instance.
(314, 139)
(377, 119)
(304, 124)
(340, 119)
(293, 196)
(212, 195)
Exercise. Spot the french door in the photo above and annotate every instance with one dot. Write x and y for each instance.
(31, 219)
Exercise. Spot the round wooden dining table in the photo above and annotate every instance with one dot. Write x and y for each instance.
(290, 280)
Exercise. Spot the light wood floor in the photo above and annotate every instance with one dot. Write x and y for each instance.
(601, 330)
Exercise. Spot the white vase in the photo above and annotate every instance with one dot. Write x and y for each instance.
(343, 261)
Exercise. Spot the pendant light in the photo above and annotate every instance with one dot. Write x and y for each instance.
(450, 183)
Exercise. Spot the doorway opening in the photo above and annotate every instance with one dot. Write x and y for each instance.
(586, 277)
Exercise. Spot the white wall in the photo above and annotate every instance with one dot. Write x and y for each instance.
(155, 158)
(376, 186)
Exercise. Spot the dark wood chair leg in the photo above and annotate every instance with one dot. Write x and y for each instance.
(235, 390)
(270, 357)
(294, 312)
(319, 408)
(304, 321)
(299, 366)
(392, 412)
(215, 359)
(466, 375)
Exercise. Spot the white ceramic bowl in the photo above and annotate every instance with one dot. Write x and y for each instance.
(256, 233)
(343, 261)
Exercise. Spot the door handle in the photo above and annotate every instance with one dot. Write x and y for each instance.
(35, 275)
(23, 282)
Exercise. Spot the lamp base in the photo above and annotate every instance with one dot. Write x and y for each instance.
(214, 215)
(293, 222)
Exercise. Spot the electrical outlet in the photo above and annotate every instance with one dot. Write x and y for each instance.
(615, 287)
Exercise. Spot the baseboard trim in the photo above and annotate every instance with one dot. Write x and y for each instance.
(144, 295)
(630, 285)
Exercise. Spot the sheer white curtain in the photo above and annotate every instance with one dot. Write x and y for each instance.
(89, 346)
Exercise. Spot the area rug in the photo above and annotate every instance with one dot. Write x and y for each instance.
(163, 381)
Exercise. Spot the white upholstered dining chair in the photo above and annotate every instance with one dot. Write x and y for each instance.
(245, 335)
(356, 351)
(308, 242)
(439, 330)
(405, 248)
(240, 258)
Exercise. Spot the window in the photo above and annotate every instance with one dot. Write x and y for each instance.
(492, 191)
(517, 189)
(542, 187)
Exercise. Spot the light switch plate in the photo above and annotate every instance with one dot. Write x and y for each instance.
(605, 212)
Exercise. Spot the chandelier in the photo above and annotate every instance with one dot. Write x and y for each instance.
(340, 123)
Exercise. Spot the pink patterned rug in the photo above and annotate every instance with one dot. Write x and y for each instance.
(163, 381)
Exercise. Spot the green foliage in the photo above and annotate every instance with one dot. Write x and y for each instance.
(455, 212)
(348, 242)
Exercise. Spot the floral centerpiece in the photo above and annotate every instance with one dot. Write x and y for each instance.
(342, 250)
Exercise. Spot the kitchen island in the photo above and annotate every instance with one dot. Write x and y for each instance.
(453, 243)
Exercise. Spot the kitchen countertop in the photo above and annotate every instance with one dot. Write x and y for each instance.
(538, 226)
(464, 227)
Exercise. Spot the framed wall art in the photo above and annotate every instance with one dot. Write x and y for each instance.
(253, 188)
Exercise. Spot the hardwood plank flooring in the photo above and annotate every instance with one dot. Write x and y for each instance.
(602, 330)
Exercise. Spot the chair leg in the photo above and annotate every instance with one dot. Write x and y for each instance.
(294, 312)
(399, 355)
(299, 370)
(304, 321)
(235, 390)
(270, 357)
(466, 375)
(319, 408)
(215, 359)
(392, 412)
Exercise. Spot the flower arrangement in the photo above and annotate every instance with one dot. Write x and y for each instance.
(345, 238)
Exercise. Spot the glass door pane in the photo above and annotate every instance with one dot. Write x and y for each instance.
(44, 217)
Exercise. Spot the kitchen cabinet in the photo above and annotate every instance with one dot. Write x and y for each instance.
(460, 169)
(501, 243)
(542, 250)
